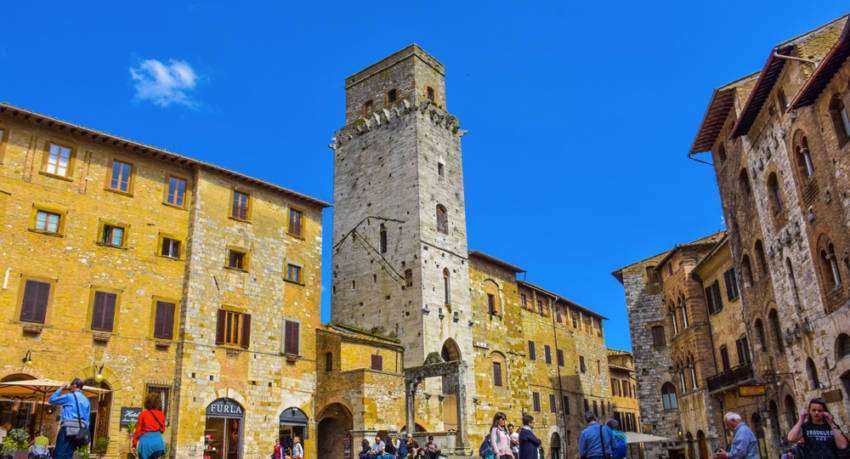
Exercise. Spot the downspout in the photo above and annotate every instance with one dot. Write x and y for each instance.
(793, 58)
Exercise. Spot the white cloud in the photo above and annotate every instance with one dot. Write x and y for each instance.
(165, 84)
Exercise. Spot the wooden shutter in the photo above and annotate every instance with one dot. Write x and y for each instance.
(497, 374)
(547, 352)
(377, 362)
(34, 306)
(292, 338)
(560, 358)
(103, 311)
(531, 354)
(164, 322)
(219, 327)
(246, 331)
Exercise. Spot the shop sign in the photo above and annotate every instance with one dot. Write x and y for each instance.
(751, 391)
(225, 408)
(129, 415)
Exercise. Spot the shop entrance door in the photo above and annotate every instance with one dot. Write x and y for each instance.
(293, 423)
(223, 430)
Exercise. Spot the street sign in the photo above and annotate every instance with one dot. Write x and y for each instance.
(832, 396)
(751, 391)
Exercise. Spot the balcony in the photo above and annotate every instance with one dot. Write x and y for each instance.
(730, 378)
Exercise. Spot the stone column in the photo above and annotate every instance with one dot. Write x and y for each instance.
(460, 439)
(409, 403)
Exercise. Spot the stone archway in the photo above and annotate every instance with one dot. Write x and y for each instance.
(334, 431)
(555, 446)
(101, 408)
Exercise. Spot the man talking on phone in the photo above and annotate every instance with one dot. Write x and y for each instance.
(744, 443)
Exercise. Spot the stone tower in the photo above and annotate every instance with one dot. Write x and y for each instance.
(400, 253)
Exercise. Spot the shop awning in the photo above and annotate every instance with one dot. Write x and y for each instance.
(37, 389)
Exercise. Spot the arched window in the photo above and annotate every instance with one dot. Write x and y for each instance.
(683, 385)
(498, 369)
(759, 326)
(383, 241)
(447, 287)
(693, 373)
(803, 156)
(684, 311)
(776, 329)
(668, 397)
(792, 281)
(744, 182)
(829, 264)
(721, 152)
(775, 194)
(842, 346)
(840, 120)
(491, 290)
(760, 258)
(442, 219)
(790, 411)
(747, 271)
(672, 312)
(812, 373)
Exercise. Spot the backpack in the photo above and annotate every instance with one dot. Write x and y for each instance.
(486, 449)
(619, 451)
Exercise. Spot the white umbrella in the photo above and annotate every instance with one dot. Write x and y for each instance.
(37, 389)
(637, 437)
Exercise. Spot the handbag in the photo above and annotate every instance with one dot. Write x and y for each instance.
(83, 436)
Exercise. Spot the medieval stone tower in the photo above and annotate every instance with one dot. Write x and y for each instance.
(400, 252)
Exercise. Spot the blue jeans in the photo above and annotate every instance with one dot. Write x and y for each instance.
(65, 446)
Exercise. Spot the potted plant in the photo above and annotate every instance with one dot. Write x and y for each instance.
(101, 445)
(131, 427)
(16, 443)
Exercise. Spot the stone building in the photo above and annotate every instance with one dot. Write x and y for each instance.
(776, 140)
(625, 407)
(146, 271)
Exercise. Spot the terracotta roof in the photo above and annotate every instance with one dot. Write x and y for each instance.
(358, 334)
(151, 151)
(717, 247)
(722, 101)
(495, 261)
(767, 78)
(702, 242)
(829, 66)
(711, 238)
(561, 298)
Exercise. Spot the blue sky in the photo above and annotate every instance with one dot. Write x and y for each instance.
(580, 113)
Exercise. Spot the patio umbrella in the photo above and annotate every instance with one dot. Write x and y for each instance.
(37, 390)
(637, 437)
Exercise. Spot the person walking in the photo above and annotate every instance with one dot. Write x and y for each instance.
(73, 417)
(500, 441)
(297, 448)
(595, 441)
(822, 438)
(744, 444)
(529, 444)
(147, 439)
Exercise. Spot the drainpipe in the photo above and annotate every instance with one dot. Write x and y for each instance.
(793, 58)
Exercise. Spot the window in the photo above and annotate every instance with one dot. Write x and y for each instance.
(586, 406)
(682, 384)
(582, 367)
(668, 397)
(523, 300)
(408, 278)
(34, 302)
(233, 328)
(781, 100)
(367, 107)
(442, 219)
(615, 387)
(759, 326)
(532, 353)
(293, 273)
(595, 409)
(377, 362)
(58, 159)
(121, 176)
(291, 337)
(742, 345)
(684, 310)
(447, 287)
(392, 96)
(429, 91)
(747, 270)
(47, 222)
(169, 247)
(724, 358)
(176, 194)
(840, 120)
(713, 298)
(103, 311)
(673, 317)
(776, 329)
(329, 361)
(547, 354)
(775, 194)
(240, 205)
(829, 264)
(491, 304)
(535, 401)
(237, 259)
(553, 404)
(731, 282)
(574, 317)
(163, 322)
(651, 275)
(112, 235)
(842, 346)
(721, 153)
(792, 280)
(560, 354)
(164, 395)
(566, 403)
(744, 182)
(497, 374)
(295, 227)
(693, 372)
(441, 169)
(658, 338)
(542, 305)
(383, 238)
(804, 157)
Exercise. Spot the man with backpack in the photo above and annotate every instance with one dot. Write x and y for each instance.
(596, 440)
(74, 419)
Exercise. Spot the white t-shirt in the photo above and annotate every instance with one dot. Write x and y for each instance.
(515, 442)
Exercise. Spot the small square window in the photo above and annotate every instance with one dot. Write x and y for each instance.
(237, 259)
(112, 236)
(295, 226)
(430, 92)
(169, 247)
(240, 205)
(233, 328)
(368, 107)
(103, 311)
(47, 222)
(34, 302)
(176, 194)
(121, 176)
(377, 363)
(163, 327)
(293, 273)
(58, 159)
(392, 96)
(441, 169)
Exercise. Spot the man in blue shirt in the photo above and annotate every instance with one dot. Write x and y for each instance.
(595, 440)
(744, 443)
(71, 421)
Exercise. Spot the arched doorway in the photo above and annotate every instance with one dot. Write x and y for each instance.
(757, 424)
(293, 423)
(773, 414)
(223, 429)
(689, 438)
(555, 446)
(845, 383)
(702, 445)
(449, 353)
(335, 424)
(100, 410)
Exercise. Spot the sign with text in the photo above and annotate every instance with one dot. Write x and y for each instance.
(129, 415)
(751, 391)
(225, 408)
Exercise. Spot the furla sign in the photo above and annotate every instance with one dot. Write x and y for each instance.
(225, 408)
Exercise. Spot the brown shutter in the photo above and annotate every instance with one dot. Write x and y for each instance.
(109, 311)
(164, 322)
(219, 327)
(97, 311)
(246, 331)
(292, 340)
(34, 305)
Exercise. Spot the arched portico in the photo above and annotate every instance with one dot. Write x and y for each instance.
(335, 425)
